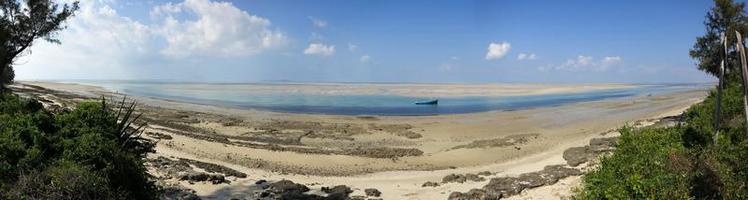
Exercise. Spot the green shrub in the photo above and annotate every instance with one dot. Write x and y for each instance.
(87, 153)
(679, 162)
(647, 164)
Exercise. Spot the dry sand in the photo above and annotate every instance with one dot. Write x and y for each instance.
(395, 154)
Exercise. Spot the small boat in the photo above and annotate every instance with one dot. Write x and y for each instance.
(432, 102)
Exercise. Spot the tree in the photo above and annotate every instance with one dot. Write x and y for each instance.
(21, 25)
(725, 17)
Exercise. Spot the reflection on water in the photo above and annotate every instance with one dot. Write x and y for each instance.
(212, 94)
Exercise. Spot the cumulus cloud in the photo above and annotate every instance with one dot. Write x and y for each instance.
(318, 22)
(586, 63)
(220, 28)
(497, 50)
(365, 58)
(526, 56)
(320, 49)
(100, 42)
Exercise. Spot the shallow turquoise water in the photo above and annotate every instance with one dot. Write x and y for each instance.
(371, 104)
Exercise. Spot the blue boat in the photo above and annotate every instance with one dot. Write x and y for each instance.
(432, 102)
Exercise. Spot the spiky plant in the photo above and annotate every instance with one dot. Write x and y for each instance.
(129, 128)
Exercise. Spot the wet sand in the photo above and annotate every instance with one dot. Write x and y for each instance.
(395, 154)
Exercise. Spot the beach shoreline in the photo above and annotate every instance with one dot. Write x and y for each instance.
(395, 154)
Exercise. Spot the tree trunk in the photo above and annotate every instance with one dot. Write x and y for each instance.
(744, 68)
(2, 78)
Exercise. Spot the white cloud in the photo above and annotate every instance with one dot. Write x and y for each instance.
(365, 58)
(526, 56)
(352, 47)
(318, 22)
(220, 28)
(100, 43)
(320, 49)
(611, 60)
(587, 63)
(497, 50)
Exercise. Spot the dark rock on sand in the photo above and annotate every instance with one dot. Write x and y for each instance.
(430, 184)
(337, 192)
(460, 178)
(158, 135)
(372, 192)
(288, 186)
(358, 197)
(286, 189)
(578, 155)
(214, 168)
(508, 186)
(485, 173)
(499, 142)
(178, 193)
(473, 194)
(194, 176)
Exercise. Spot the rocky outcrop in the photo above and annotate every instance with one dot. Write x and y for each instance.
(507, 186)
(578, 155)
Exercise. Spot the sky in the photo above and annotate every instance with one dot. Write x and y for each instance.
(375, 41)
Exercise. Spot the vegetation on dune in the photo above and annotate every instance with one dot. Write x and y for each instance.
(86, 153)
(678, 162)
(91, 152)
(690, 160)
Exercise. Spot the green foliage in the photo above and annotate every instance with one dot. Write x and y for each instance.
(21, 25)
(647, 164)
(679, 162)
(83, 152)
(725, 17)
(694, 161)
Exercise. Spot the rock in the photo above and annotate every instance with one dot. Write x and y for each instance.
(460, 178)
(261, 181)
(485, 173)
(372, 192)
(454, 178)
(508, 186)
(218, 179)
(340, 192)
(474, 177)
(194, 176)
(157, 135)
(339, 189)
(358, 197)
(214, 168)
(474, 194)
(578, 155)
(430, 184)
(178, 193)
(288, 186)
(505, 186)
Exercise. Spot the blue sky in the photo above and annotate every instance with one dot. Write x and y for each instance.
(376, 41)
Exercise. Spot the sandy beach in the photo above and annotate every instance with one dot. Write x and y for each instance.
(394, 154)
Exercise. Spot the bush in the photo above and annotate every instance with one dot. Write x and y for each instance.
(679, 162)
(647, 164)
(88, 153)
